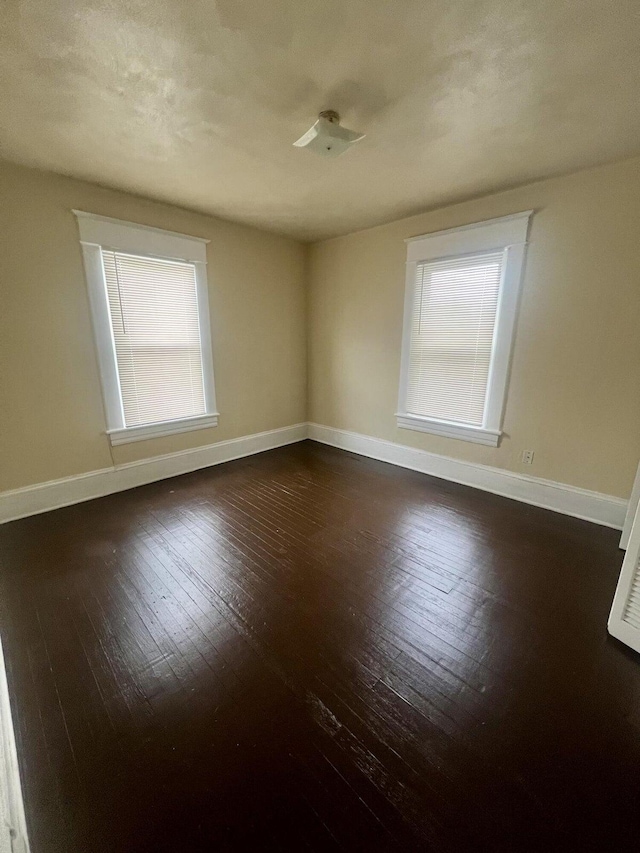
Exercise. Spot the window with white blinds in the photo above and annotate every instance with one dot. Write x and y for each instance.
(460, 316)
(149, 303)
(454, 315)
(153, 306)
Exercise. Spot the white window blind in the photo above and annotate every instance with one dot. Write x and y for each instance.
(452, 330)
(153, 306)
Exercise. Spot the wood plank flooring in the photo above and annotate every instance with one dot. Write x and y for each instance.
(308, 650)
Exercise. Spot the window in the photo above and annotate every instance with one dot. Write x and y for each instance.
(148, 293)
(460, 314)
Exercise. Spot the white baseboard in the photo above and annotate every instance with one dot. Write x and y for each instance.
(71, 490)
(13, 827)
(569, 500)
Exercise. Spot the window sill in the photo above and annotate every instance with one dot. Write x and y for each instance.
(145, 431)
(479, 435)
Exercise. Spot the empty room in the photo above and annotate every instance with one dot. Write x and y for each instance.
(319, 426)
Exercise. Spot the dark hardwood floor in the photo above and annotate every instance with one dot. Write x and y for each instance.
(308, 650)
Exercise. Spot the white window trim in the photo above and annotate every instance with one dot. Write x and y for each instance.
(98, 232)
(507, 233)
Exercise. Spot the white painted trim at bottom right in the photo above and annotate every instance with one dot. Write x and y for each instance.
(632, 507)
(607, 510)
(624, 619)
(13, 826)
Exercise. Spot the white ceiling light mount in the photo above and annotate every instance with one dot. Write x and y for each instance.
(327, 137)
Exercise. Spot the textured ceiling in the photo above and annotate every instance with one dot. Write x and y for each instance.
(198, 102)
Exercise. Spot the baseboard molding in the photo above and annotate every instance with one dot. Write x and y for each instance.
(13, 827)
(54, 494)
(568, 500)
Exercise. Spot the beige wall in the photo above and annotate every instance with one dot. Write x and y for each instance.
(574, 395)
(51, 416)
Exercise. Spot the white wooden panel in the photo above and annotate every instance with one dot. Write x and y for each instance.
(624, 620)
(632, 607)
(634, 500)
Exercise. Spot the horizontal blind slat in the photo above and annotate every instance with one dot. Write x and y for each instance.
(154, 318)
(452, 329)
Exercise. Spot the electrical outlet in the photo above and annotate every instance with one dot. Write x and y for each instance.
(526, 457)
